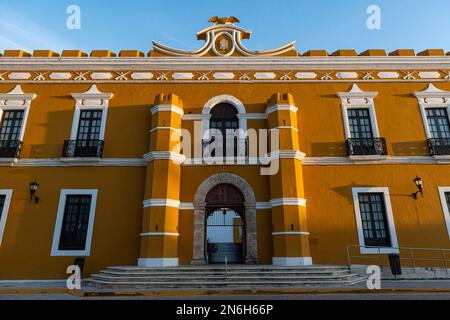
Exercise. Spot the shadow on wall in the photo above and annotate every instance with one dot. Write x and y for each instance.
(410, 148)
(329, 149)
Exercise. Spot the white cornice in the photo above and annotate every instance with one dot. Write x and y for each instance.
(229, 63)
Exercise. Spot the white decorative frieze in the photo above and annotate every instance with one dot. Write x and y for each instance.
(60, 75)
(19, 76)
(182, 75)
(224, 75)
(306, 75)
(265, 75)
(141, 76)
(388, 75)
(101, 75)
(347, 75)
(429, 75)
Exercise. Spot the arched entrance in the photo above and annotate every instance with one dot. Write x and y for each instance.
(225, 224)
(241, 190)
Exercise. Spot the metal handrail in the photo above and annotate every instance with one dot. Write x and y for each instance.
(411, 257)
(226, 268)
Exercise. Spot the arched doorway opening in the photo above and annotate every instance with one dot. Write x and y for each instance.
(249, 238)
(225, 224)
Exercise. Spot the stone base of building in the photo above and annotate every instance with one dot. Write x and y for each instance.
(292, 262)
(158, 262)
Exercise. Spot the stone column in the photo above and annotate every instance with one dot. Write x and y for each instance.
(290, 230)
(159, 237)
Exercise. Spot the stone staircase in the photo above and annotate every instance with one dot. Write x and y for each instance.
(216, 276)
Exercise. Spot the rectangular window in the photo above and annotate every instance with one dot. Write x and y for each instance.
(374, 220)
(74, 223)
(438, 123)
(444, 193)
(360, 124)
(5, 200)
(2, 204)
(11, 125)
(373, 216)
(89, 125)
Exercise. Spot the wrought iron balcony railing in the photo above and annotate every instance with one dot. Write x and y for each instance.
(10, 148)
(439, 146)
(83, 149)
(366, 147)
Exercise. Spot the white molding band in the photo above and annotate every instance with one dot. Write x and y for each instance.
(281, 107)
(166, 128)
(292, 262)
(156, 234)
(186, 206)
(161, 203)
(445, 206)
(157, 262)
(4, 213)
(55, 251)
(389, 217)
(289, 233)
(165, 155)
(167, 107)
(288, 202)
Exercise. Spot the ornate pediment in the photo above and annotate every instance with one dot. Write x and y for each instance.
(223, 39)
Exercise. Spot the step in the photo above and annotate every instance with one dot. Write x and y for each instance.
(230, 273)
(218, 278)
(222, 268)
(237, 284)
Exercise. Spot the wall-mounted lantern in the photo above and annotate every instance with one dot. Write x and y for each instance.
(34, 186)
(419, 184)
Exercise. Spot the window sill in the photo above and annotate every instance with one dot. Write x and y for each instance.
(368, 158)
(387, 250)
(70, 253)
(9, 160)
(81, 160)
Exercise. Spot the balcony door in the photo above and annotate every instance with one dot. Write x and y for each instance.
(223, 118)
(88, 135)
(439, 126)
(10, 129)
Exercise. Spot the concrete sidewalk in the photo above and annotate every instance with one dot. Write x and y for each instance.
(57, 290)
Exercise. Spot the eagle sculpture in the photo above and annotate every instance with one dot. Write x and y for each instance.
(218, 20)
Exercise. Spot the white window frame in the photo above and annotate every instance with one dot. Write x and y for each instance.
(8, 193)
(92, 99)
(445, 208)
(60, 218)
(389, 216)
(16, 99)
(358, 99)
(432, 97)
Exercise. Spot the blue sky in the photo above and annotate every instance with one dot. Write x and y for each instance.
(132, 24)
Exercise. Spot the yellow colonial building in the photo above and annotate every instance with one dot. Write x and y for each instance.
(117, 159)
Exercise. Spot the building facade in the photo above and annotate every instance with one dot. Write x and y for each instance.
(109, 157)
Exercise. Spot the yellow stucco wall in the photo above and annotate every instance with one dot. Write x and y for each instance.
(25, 250)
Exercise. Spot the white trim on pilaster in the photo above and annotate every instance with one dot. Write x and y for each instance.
(288, 202)
(161, 203)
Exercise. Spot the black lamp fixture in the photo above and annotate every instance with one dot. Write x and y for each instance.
(419, 184)
(34, 186)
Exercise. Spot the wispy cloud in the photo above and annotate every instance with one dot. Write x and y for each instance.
(20, 32)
